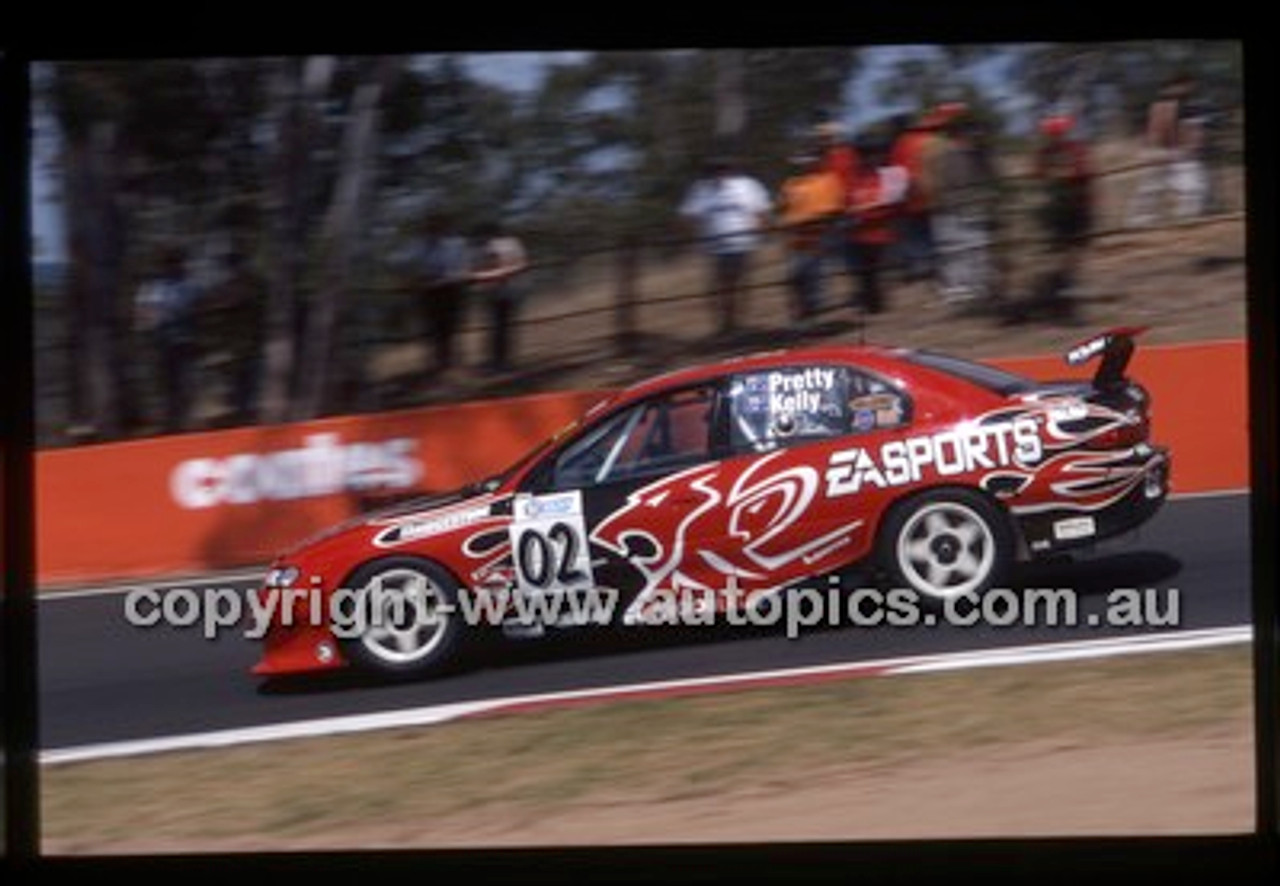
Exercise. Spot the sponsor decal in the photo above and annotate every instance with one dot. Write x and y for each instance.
(1082, 353)
(1074, 527)
(323, 465)
(1067, 410)
(876, 401)
(801, 390)
(949, 453)
(885, 410)
(412, 530)
(562, 504)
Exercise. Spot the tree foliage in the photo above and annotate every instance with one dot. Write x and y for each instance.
(255, 154)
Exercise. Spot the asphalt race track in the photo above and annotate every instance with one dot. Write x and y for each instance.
(102, 679)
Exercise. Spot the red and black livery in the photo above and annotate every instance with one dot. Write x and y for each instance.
(755, 474)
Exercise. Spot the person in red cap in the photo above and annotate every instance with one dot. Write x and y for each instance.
(1062, 166)
(836, 154)
(875, 197)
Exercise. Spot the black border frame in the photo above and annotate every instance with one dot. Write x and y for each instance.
(1199, 857)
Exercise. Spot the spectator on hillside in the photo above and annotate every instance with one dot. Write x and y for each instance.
(238, 307)
(810, 203)
(839, 156)
(500, 260)
(962, 195)
(835, 152)
(165, 312)
(875, 199)
(1214, 150)
(1062, 166)
(1174, 144)
(916, 248)
(729, 210)
(444, 267)
(996, 194)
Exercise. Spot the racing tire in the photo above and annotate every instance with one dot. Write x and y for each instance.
(947, 543)
(410, 623)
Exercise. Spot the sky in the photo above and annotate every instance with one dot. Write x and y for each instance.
(46, 214)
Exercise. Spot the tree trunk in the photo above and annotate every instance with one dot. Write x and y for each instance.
(730, 98)
(295, 95)
(341, 231)
(77, 215)
(96, 254)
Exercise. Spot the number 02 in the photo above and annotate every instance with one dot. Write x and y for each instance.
(551, 557)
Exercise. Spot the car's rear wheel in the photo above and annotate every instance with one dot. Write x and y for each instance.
(407, 618)
(947, 543)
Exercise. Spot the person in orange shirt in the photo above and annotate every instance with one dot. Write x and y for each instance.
(875, 200)
(809, 203)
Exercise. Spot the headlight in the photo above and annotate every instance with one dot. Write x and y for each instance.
(281, 576)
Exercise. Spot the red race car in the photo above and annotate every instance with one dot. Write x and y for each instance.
(728, 484)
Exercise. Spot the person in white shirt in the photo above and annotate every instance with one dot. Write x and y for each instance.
(500, 260)
(729, 210)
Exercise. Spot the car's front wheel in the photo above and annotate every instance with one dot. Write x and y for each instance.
(947, 543)
(405, 620)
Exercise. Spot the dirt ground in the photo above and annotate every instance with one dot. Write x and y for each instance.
(1187, 786)
(1187, 282)
(1157, 744)
(1044, 789)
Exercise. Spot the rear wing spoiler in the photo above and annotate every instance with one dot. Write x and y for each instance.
(1116, 347)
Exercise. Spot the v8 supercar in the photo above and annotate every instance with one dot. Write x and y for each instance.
(754, 474)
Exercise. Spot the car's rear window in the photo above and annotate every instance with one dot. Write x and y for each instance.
(997, 380)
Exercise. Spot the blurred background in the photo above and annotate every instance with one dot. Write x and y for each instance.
(225, 242)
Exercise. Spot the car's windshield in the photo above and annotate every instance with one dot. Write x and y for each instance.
(492, 482)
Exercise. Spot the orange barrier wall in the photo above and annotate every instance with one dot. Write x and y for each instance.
(1200, 406)
(196, 502)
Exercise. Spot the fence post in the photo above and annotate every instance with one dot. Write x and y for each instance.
(626, 293)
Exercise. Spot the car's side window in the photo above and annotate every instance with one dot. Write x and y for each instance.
(793, 404)
(661, 434)
(875, 405)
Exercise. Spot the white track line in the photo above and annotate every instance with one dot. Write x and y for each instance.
(435, 714)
